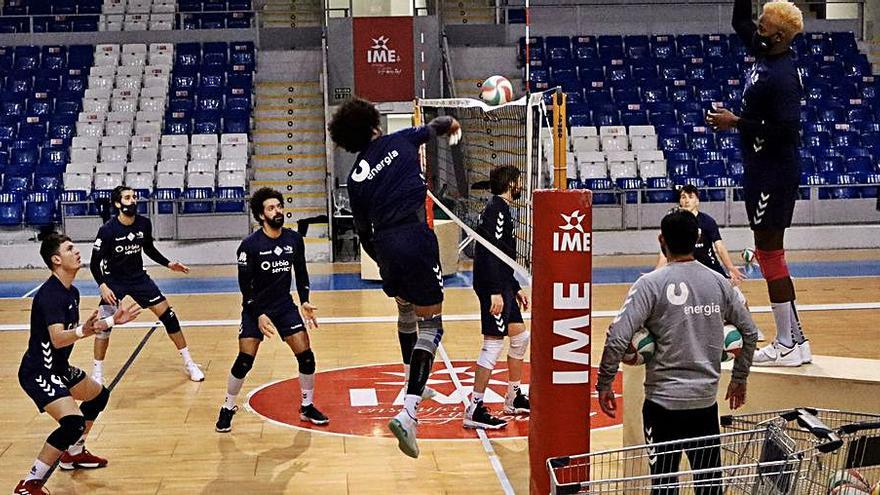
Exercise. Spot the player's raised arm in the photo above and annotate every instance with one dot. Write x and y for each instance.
(742, 22)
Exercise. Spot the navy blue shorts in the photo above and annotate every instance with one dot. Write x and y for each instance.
(287, 322)
(496, 326)
(45, 387)
(770, 208)
(144, 291)
(409, 264)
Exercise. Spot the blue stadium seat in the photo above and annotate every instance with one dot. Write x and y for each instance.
(212, 77)
(860, 166)
(702, 141)
(229, 200)
(187, 54)
(631, 187)
(16, 183)
(847, 192)
(829, 165)
(681, 169)
(603, 191)
(165, 200)
(660, 190)
(190, 195)
(210, 98)
(80, 57)
(672, 142)
(207, 122)
(236, 121)
(10, 209)
(39, 209)
(872, 181)
(215, 54)
(78, 206)
(50, 184)
(714, 192)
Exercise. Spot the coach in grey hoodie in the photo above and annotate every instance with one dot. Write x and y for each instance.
(684, 306)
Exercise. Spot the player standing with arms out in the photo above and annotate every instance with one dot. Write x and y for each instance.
(500, 298)
(684, 306)
(710, 249)
(770, 127)
(388, 191)
(45, 373)
(118, 268)
(268, 259)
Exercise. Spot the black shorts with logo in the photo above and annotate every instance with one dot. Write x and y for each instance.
(496, 326)
(770, 208)
(287, 321)
(44, 386)
(409, 263)
(143, 290)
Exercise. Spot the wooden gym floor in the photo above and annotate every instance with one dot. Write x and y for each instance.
(158, 429)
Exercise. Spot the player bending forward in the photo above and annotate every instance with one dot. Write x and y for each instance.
(500, 299)
(118, 268)
(46, 375)
(387, 192)
(265, 261)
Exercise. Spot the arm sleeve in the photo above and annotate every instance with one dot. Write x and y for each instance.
(301, 271)
(490, 225)
(98, 251)
(737, 314)
(636, 310)
(150, 248)
(246, 279)
(742, 22)
(420, 135)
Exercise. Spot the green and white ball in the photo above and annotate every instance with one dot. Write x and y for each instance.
(848, 482)
(641, 348)
(733, 343)
(496, 90)
(748, 256)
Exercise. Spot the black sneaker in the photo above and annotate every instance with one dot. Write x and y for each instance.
(224, 422)
(519, 404)
(477, 416)
(312, 414)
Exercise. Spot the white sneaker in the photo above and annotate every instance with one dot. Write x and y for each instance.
(777, 355)
(806, 352)
(98, 375)
(427, 393)
(195, 374)
(404, 429)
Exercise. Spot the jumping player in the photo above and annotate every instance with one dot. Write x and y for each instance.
(500, 298)
(387, 192)
(770, 126)
(267, 261)
(45, 373)
(118, 268)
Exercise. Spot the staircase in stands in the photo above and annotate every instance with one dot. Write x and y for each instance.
(292, 13)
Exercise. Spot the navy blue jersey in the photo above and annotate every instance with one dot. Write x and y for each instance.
(117, 251)
(266, 268)
(386, 185)
(704, 250)
(492, 275)
(770, 119)
(53, 304)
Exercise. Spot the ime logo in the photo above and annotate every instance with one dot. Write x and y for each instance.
(572, 236)
(380, 53)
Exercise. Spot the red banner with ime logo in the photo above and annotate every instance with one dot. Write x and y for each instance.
(383, 58)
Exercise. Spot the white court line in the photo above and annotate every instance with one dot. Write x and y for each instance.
(31, 292)
(345, 320)
(484, 440)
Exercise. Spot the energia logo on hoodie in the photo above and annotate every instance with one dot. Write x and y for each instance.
(364, 172)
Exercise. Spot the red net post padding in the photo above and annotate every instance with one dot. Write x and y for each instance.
(561, 338)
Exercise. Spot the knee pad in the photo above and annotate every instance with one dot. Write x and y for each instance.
(92, 408)
(489, 353)
(242, 365)
(306, 360)
(430, 333)
(772, 264)
(407, 321)
(519, 344)
(169, 319)
(70, 429)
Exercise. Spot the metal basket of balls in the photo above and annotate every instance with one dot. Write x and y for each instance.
(851, 469)
(763, 458)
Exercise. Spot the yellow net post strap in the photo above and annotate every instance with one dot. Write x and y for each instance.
(560, 141)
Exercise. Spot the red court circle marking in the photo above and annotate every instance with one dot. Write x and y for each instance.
(360, 400)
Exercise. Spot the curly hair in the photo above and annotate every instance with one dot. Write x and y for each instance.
(786, 15)
(351, 127)
(501, 178)
(260, 197)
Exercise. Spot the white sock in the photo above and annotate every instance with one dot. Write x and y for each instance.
(77, 447)
(233, 387)
(184, 353)
(512, 388)
(38, 471)
(477, 397)
(405, 375)
(307, 386)
(411, 404)
(782, 316)
(99, 365)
